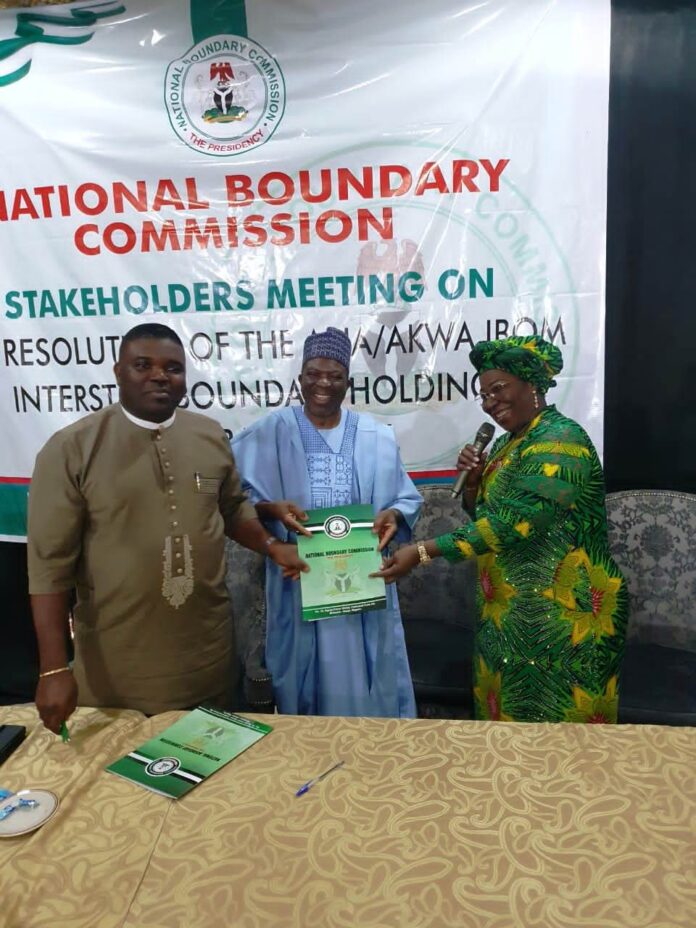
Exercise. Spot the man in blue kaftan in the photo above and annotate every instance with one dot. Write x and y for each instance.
(312, 457)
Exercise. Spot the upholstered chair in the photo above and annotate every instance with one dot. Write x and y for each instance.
(652, 535)
(438, 602)
(245, 577)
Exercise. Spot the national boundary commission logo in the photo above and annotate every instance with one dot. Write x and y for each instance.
(225, 96)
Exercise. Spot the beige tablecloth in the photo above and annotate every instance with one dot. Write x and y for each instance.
(430, 824)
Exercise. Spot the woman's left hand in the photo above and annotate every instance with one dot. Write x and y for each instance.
(399, 564)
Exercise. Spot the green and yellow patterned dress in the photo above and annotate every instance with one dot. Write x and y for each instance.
(552, 603)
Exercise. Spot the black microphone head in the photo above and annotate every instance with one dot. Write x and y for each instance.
(484, 434)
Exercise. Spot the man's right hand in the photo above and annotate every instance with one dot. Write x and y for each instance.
(469, 458)
(56, 698)
(287, 558)
(290, 514)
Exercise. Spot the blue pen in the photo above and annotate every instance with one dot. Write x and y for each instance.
(310, 783)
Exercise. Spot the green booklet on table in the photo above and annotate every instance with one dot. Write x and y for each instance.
(342, 553)
(187, 752)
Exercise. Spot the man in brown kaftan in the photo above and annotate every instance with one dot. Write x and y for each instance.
(129, 506)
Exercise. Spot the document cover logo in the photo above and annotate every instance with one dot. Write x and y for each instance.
(337, 526)
(162, 767)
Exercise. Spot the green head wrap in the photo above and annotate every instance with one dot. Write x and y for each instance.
(528, 357)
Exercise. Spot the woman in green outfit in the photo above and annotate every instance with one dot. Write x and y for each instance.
(552, 603)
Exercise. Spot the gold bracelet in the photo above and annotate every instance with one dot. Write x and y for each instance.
(49, 673)
(423, 555)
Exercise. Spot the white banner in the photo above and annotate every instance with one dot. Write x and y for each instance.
(424, 176)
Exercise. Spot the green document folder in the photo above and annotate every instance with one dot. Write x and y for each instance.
(342, 553)
(187, 752)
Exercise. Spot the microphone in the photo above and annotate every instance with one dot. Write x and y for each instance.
(483, 437)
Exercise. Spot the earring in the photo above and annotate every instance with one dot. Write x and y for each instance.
(536, 400)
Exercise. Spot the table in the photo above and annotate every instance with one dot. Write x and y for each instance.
(430, 824)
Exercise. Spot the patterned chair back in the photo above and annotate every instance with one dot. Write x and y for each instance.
(246, 578)
(652, 535)
(442, 592)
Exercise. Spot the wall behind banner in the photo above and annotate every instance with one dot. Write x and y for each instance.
(650, 418)
(651, 325)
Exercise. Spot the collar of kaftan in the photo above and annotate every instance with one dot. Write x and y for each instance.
(145, 424)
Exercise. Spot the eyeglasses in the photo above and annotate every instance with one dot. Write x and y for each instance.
(495, 391)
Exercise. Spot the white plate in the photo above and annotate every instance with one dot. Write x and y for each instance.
(25, 820)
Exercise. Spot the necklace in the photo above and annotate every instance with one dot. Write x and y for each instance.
(496, 461)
